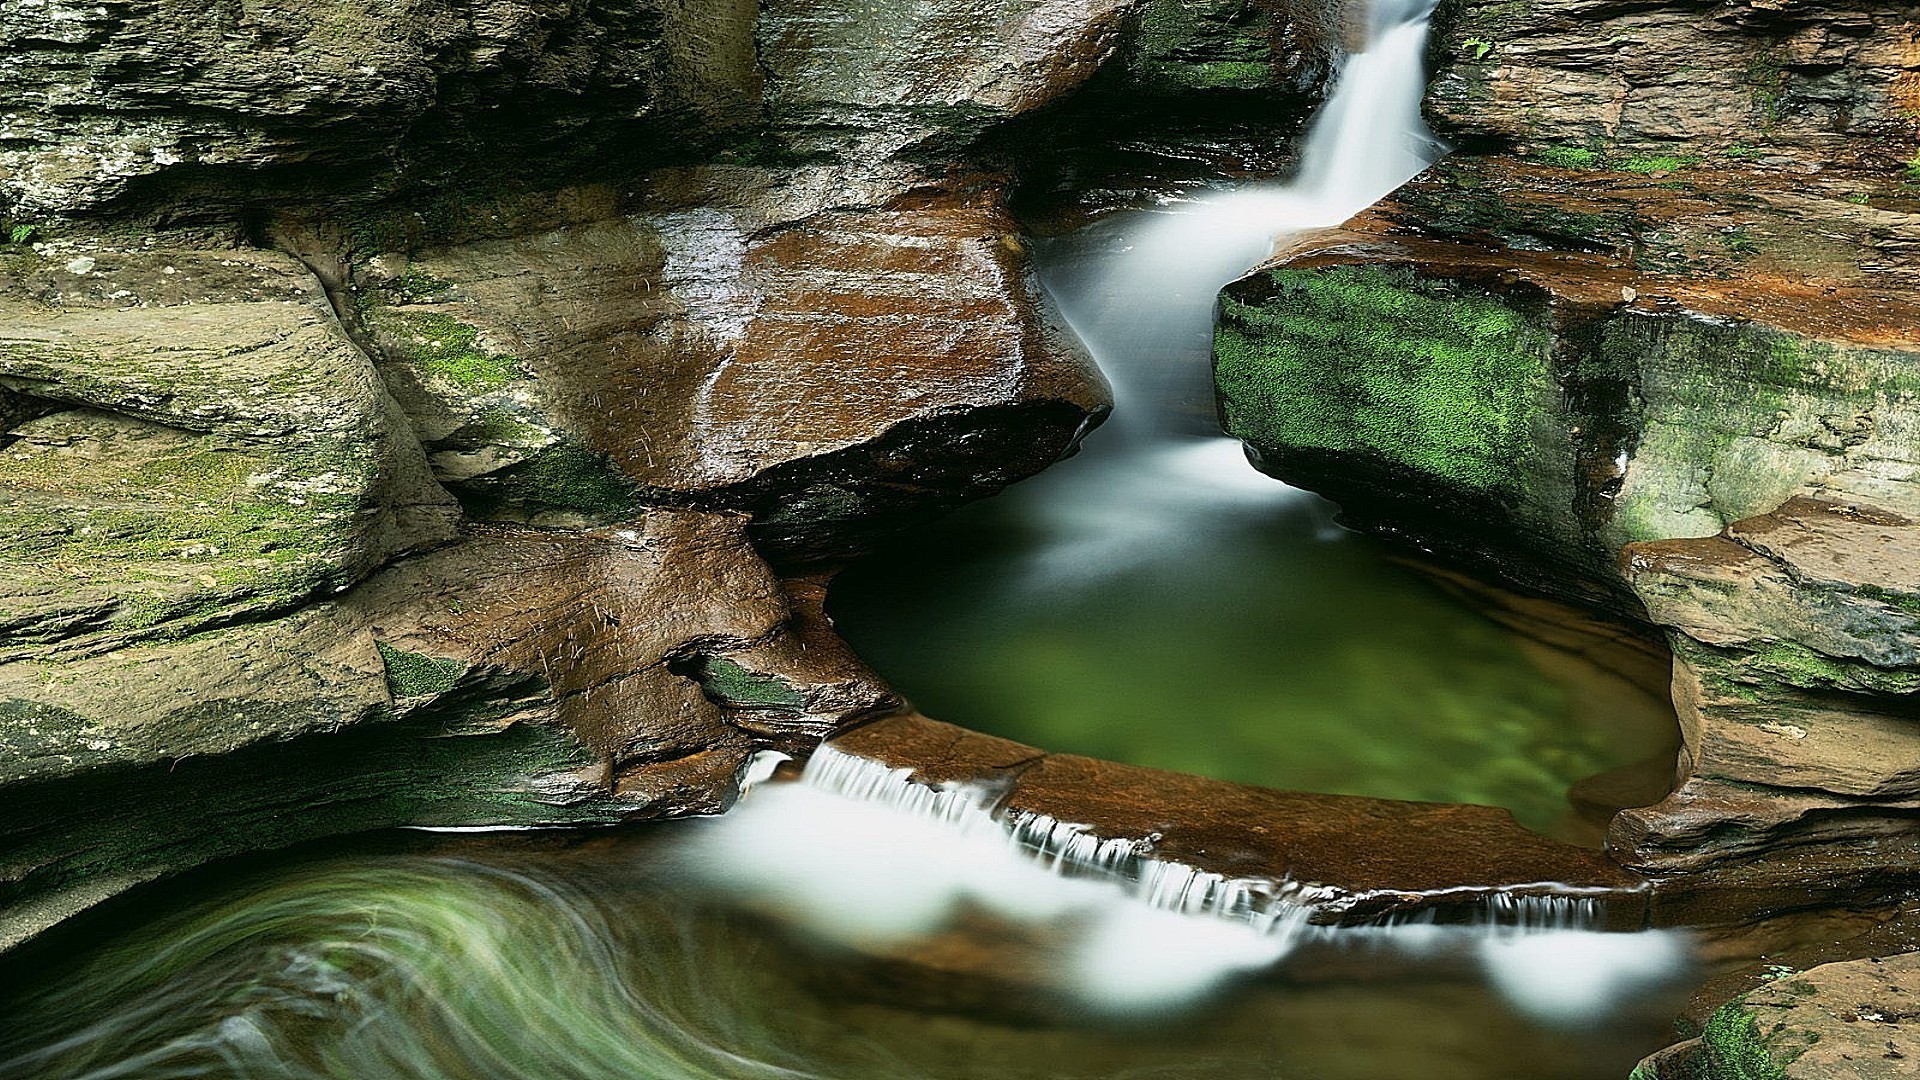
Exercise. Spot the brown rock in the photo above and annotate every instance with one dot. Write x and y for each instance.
(1373, 856)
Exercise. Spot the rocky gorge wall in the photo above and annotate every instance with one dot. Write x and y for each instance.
(1647, 341)
(439, 412)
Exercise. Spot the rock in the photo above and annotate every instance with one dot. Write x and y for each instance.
(835, 372)
(192, 440)
(309, 101)
(1364, 858)
(517, 676)
(1842, 1021)
(1796, 638)
(1511, 408)
(1828, 82)
(887, 77)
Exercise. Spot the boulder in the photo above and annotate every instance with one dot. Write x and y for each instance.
(1852, 1020)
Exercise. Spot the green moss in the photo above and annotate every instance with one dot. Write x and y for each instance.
(571, 477)
(1654, 163)
(727, 683)
(1427, 374)
(444, 348)
(412, 674)
(1735, 1049)
(1202, 45)
(564, 476)
(1569, 157)
(417, 286)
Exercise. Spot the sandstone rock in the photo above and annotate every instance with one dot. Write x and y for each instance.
(1840, 1021)
(888, 76)
(518, 676)
(1369, 857)
(192, 440)
(312, 100)
(832, 371)
(1795, 639)
(1831, 83)
(1517, 398)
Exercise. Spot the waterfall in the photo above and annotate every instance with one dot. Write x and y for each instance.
(1139, 291)
(863, 854)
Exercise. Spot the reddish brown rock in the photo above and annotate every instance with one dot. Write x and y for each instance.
(832, 371)
(1373, 856)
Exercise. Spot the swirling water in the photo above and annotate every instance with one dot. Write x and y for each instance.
(607, 958)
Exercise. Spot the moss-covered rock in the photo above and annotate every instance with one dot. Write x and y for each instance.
(1431, 376)
(192, 440)
(1848, 1020)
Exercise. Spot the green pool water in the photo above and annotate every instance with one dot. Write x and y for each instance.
(1155, 600)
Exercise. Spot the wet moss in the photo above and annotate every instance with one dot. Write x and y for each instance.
(1201, 45)
(1428, 374)
(444, 348)
(412, 674)
(1735, 1049)
(727, 683)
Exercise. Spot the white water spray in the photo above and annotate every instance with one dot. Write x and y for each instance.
(1141, 296)
(864, 855)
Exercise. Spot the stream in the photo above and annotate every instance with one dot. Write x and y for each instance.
(1153, 600)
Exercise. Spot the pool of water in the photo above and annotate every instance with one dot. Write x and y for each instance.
(1157, 601)
(599, 957)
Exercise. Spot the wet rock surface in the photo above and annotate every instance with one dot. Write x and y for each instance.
(1369, 858)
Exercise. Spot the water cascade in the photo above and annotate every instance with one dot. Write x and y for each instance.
(863, 854)
(1144, 308)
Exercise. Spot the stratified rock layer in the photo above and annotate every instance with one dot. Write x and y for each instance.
(1365, 858)
(1664, 364)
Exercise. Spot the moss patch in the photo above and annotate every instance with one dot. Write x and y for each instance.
(1428, 374)
(727, 683)
(444, 348)
(412, 674)
(1735, 1049)
(1202, 45)
(565, 476)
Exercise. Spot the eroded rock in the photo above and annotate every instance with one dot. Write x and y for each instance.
(1852, 1020)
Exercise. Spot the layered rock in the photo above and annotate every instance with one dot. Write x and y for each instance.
(1350, 859)
(1651, 349)
(835, 370)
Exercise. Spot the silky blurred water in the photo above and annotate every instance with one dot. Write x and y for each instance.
(1155, 600)
(605, 958)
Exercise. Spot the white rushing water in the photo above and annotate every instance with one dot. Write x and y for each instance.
(1140, 294)
(863, 855)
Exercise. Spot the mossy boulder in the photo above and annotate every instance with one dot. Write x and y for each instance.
(518, 676)
(1544, 422)
(1848, 1020)
(192, 439)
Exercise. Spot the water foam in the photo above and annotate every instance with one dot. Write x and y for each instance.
(862, 853)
